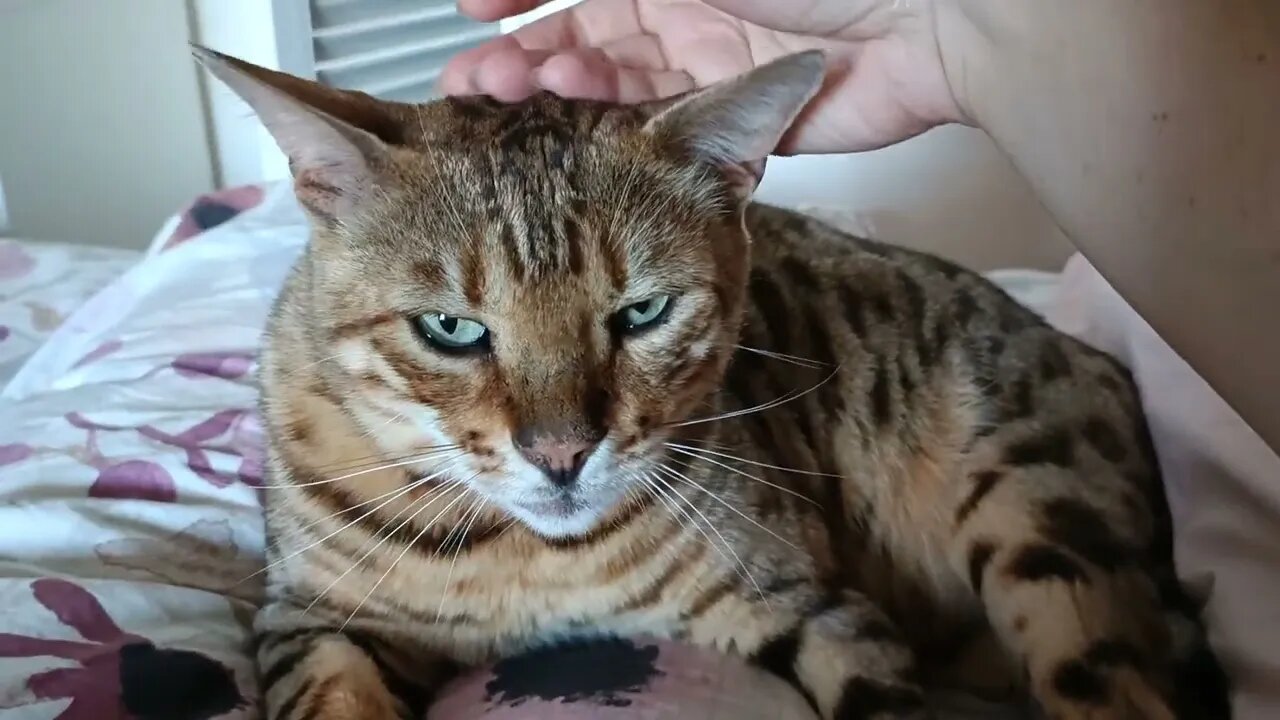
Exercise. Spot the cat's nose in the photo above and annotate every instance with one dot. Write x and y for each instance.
(560, 459)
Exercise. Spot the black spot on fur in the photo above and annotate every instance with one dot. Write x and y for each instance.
(963, 308)
(1081, 529)
(864, 699)
(854, 312)
(983, 483)
(880, 399)
(799, 273)
(1035, 563)
(1053, 362)
(1104, 438)
(877, 630)
(980, 554)
(158, 684)
(600, 672)
(778, 656)
(1021, 401)
(1113, 653)
(1054, 447)
(1076, 681)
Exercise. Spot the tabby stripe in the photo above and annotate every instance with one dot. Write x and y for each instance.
(507, 239)
(831, 395)
(278, 668)
(778, 656)
(710, 597)
(411, 694)
(361, 326)
(291, 702)
(630, 557)
(983, 483)
(690, 555)
(916, 316)
(573, 241)
(314, 707)
(768, 300)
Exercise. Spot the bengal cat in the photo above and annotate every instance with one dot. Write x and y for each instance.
(545, 370)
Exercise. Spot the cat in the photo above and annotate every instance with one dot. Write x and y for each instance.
(545, 370)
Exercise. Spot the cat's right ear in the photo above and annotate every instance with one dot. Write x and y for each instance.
(336, 140)
(735, 124)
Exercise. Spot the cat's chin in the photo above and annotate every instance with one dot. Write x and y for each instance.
(556, 520)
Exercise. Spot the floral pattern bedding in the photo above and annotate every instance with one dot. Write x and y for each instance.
(130, 516)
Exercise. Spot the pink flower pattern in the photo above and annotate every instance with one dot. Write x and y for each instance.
(104, 682)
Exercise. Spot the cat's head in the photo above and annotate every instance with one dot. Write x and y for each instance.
(530, 297)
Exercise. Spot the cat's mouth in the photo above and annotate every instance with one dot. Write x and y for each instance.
(560, 515)
(562, 505)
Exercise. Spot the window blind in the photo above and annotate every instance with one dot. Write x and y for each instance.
(393, 49)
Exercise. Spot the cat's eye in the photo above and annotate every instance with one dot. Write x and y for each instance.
(644, 314)
(453, 334)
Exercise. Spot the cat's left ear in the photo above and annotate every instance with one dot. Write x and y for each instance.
(337, 141)
(736, 124)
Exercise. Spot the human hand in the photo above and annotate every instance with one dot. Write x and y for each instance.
(885, 81)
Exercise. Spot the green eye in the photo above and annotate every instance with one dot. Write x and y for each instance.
(645, 314)
(453, 334)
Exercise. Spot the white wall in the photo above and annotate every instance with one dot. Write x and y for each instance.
(102, 129)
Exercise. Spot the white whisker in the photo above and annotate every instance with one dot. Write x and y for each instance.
(408, 546)
(762, 407)
(294, 371)
(728, 546)
(793, 359)
(687, 450)
(749, 476)
(473, 512)
(727, 504)
(396, 493)
(433, 496)
(348, 476)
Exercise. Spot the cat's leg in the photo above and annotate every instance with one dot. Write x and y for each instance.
(1056, 559)
(320, 673)
(840, 651)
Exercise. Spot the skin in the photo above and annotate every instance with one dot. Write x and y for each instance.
(1161, 115)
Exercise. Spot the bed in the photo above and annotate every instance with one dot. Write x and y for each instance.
(131, 529)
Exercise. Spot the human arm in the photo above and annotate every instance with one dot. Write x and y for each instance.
(1149, 128)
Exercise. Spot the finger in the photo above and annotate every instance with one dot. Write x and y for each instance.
(591, 74)
(591, 23)
(490, 10)
(507, 74)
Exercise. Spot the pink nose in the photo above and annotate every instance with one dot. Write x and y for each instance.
(560, 460)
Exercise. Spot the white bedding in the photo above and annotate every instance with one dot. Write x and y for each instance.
(131, 452)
